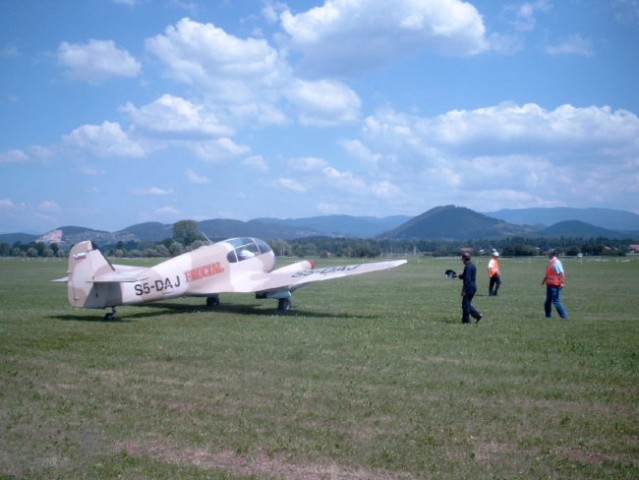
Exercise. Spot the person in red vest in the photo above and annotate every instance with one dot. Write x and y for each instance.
(494, 274)
(554, 280)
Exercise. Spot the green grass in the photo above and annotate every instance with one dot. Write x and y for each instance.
(367, 377)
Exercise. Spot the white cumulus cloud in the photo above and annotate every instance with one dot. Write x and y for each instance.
(195, 178)
(8, 204)
(523, 16)
(324, 102)
(292, 185)
(49, 206)
(358, 35)
(97, 61)
(104, 141)
(226, 66)
(173, 116)
(247, 80)
(14, 156)
(218, 150)
(154, 191)
(575, 45)
(256, 162)
(531, 155)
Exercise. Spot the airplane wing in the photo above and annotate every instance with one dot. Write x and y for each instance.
(287, 280)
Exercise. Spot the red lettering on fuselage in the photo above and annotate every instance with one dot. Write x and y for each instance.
(203, 272)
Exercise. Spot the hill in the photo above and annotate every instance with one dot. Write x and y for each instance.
(12, 238)
(216, 229)
(618, 220)
(149, 231)
(221, 229)
(455, 223)
(341, 225)
(70, 235)
(576, 228)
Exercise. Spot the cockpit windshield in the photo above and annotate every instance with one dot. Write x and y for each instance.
(245, 248)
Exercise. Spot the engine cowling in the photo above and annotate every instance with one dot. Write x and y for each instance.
(296, 267)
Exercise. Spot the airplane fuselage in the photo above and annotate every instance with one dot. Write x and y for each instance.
(224, 266)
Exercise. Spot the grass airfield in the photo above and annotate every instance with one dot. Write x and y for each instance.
(370, 377)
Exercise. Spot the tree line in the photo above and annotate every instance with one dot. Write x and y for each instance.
(327, 247)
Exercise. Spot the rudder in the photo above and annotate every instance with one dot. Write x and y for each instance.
(85, 263)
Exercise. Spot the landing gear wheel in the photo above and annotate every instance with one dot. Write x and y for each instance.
(284, 304)
(112, 315)
(213, 301)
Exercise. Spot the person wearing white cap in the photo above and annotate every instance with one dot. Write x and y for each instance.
(554, 280)
(494, 274)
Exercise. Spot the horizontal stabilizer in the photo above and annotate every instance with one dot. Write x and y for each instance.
(122, 273)
(115, 278)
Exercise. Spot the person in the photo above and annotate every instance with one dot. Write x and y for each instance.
(494, 274)
(554, 280)
(469, 289)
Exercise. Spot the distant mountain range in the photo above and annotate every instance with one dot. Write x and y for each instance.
(600, 217)
(342, 225)
(440, 223)
(459, 223)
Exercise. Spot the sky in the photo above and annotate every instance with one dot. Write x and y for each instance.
(119, 112)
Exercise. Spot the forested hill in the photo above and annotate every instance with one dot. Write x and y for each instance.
(456, 223)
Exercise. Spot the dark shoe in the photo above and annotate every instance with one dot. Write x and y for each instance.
(479, 318)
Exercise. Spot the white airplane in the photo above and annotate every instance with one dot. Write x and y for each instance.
(245, 265)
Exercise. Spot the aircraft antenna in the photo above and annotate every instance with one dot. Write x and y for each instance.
(207, 238)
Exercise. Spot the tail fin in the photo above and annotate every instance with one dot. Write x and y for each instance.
(85, 263)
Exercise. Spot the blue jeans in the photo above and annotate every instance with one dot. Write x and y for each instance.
(553, 297)
(467, 309)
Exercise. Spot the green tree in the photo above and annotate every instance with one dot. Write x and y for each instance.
(176, 248)
(281, 247)
(186, 232)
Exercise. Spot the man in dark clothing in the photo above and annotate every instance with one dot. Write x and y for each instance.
(469, 289)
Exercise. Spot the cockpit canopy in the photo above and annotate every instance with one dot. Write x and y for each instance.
(245, 248)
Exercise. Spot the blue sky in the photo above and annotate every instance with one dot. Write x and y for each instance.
(117, 112)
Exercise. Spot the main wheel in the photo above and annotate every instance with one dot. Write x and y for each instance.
(284, 304)
(213, 301)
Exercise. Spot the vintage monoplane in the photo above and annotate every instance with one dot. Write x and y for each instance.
(244, 265)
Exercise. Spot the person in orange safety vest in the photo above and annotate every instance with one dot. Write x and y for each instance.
(494, 274)
(554, 280)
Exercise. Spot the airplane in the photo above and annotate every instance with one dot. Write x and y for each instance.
(243, 264)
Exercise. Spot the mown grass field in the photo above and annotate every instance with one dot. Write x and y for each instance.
(370, 377)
